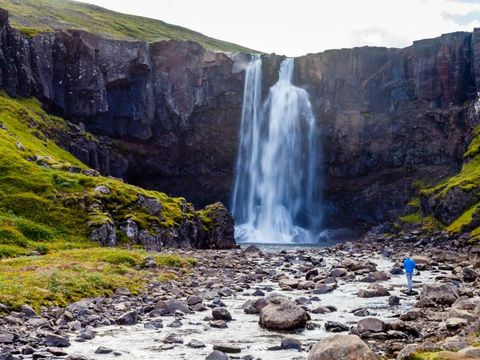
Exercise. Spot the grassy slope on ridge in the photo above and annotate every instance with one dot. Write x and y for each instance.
(32, 16)
(43, 213)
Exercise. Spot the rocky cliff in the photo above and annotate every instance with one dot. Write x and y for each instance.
(168, 113)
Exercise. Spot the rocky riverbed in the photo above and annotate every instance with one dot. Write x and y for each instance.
(254, 303)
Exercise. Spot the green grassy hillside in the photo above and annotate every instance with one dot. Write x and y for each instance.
(32, 16)
(48, 207)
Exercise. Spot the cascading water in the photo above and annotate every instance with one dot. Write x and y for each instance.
(276, 197)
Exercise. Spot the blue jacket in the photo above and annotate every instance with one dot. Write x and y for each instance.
(409, 265)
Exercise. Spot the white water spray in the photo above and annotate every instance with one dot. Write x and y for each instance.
(276, 196)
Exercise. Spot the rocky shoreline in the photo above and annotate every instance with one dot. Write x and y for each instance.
(274, 304)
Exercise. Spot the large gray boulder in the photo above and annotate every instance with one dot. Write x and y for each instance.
(341, 347)
(283, 314)
(445, 294)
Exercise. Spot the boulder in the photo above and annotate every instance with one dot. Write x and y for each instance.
(373, 290)
(444, 294)
(283, 314)
(220, 313)
(370, 324)
(344, 347)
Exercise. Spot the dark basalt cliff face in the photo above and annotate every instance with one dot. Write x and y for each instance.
(168, 113)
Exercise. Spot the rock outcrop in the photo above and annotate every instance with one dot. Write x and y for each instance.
(169, 112)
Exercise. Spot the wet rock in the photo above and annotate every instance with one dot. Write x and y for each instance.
(103, 350)
(219, 324)
(339, 272)
(334, 326)
(321, 288)
(393, 300)
(220, 313)
(373, 290)
(87, 334)
(129, 318)
(173, 339)
(171, 306)
(361, 312)
(290, 343)
(372, 325)
(56, 340)
(345, 347)
(217, 355)
(155, 324)
(195, 344)
(396, 270)
(283, 314)
(227, 348)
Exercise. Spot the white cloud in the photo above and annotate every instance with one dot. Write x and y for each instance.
(296, 27)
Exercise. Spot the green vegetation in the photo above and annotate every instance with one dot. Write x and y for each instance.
(413, 218)
(71, 275)
(47, 213)
(33, 16)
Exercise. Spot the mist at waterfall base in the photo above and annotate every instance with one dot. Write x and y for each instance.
(277, 197)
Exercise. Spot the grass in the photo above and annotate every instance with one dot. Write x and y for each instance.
(45, 208)
(34, 16)
(67, 276)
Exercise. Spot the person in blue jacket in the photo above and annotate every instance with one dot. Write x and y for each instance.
(409, 265)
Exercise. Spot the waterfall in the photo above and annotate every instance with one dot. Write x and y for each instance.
(276, 196)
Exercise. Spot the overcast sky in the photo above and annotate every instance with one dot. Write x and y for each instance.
(296, 27)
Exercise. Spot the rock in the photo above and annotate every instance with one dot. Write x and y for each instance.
(361, 312)
(311, 273)
(150, 204)
(455, 323)
(217, 355)
(371, 324)
(122, 292)
(290, 343)
(6, 338)
(411, 315)
(102, 189)
(56, 340)
(469, 274)
(87, 334)
(227, 348)
(225, 292)
(252, 249)
(195, 344)
(194, 299)
(19, 146)
(334, 326)
(221, 235)
(28, 311)
(462, 314)
(171, 306)
(105, 234)
(220, 324)
(220, 313)
(155, 324)
(288, 283)
(344, 347)
(321, 288)
(149, 263)
(396, 270)
(339, 272)
(103, 350)
(283, 314)
(173, 339)
(445, 294)
(393, 300)
(373, 290)
(129, 318)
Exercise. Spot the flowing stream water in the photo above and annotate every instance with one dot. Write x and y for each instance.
(276, 196)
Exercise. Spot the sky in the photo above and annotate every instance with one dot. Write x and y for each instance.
(297, 27)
